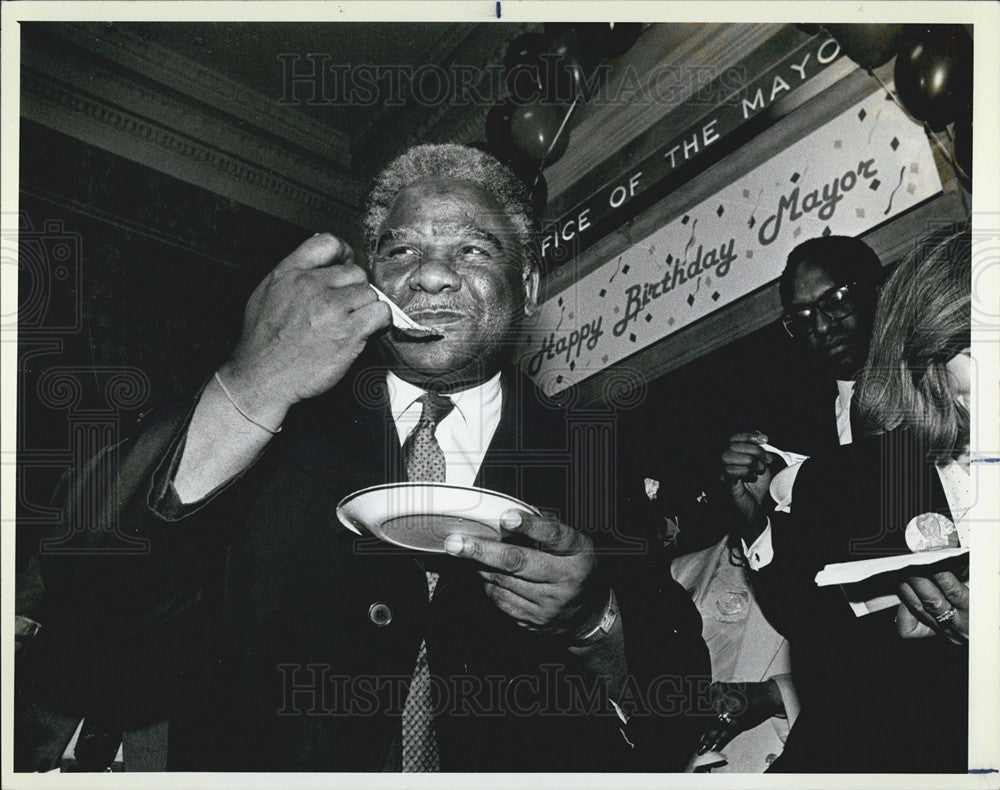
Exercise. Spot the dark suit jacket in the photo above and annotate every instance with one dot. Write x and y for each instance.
(803, 420)
(250, 620)
(871, 701)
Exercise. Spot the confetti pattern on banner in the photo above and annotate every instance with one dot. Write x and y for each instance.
(888, 208)
(876, 164)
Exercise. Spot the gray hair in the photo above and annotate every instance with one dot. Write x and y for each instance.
(450, 161)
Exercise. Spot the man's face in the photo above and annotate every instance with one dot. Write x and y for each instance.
(840, 343)
(449, 256)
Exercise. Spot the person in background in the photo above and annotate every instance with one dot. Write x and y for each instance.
(752, 686)
(875, 696)
(829, 291)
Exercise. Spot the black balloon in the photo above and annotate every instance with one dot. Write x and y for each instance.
(963, 148)
(498, 130)
(869, 46)
(525, 169)
(609, 39)
(534, 128)
(523, 65)
(933, 76)
(568, 71)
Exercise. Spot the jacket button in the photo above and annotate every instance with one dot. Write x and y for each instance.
(380, 614)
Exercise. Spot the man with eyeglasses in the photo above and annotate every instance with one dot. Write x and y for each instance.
(829, 290)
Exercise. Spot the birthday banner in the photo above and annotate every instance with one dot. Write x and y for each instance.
(856, 172)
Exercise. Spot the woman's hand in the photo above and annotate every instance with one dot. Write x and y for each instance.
(740, 707)
(938, 604)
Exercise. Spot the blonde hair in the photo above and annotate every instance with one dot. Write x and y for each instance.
(923, 320)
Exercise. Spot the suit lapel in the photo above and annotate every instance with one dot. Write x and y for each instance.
(377, 437)
(495, 471)
(351, 444)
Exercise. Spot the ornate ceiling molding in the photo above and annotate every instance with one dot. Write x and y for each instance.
(467, 123)
(134, 137)
(162, 127)
(445, 46)
(165, 67)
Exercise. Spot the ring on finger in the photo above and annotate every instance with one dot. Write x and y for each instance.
(947, 616)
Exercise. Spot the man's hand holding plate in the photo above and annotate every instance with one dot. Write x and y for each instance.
(545, 582)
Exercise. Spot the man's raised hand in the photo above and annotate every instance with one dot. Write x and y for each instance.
(745, 470)
(303, 327)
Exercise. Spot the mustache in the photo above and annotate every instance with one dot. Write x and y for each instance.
(437, 306)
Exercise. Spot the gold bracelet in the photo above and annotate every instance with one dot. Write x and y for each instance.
(236, 406)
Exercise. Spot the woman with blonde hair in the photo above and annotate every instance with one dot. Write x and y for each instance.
(873, 699)
(912, 376)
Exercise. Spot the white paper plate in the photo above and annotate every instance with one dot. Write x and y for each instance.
(421, 516)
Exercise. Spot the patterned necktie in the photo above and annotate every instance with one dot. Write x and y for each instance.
(424, 460)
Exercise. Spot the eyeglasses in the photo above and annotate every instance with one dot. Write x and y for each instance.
(835, 304)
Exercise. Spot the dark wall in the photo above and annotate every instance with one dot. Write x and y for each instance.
(131, 289)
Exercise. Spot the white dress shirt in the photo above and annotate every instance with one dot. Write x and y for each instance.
(464, 434)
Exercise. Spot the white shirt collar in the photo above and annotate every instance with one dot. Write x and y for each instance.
(845, 391)
(472, 404)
